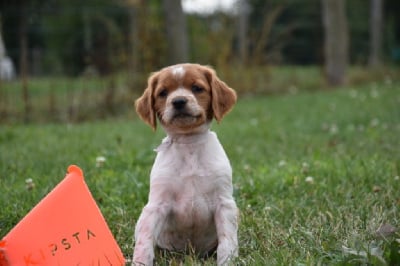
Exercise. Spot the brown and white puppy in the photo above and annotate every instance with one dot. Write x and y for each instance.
(190, 202)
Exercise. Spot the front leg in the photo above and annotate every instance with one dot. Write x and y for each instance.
(226, 221)
(146, 231)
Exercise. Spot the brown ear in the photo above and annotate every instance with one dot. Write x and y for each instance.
(223, 98)
(145, 104)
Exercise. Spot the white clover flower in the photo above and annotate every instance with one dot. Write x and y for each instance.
(29, 184)
(309, 180)
(267, 208)
(374, 122)
(374, 93)
(351, 127)
(305, 167)
(247, 167)
(333, 129)
(254, 122)
(353, 94)
(100, 160)
(282, 163)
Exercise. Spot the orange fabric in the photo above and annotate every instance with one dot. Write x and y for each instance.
(65, 228)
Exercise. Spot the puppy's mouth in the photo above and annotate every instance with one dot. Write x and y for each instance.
(182, 119)
(185, 118)
(185, 115)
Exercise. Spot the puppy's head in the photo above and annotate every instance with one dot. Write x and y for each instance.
(184, 97)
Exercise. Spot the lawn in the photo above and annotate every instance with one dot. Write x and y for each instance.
(316, 174)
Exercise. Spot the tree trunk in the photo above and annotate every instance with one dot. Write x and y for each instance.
(23, 42)
(133, 37)
(336, 41)
(244, 11)
(375, 27)
(177, 40)
(261, 43)
(87, 38)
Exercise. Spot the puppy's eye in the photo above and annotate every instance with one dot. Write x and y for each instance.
(197, 89)
(163, 93)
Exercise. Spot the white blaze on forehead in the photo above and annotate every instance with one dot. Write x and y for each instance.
(178, 71)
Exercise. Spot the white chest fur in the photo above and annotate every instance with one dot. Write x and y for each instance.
(190, 177)
(200, 156)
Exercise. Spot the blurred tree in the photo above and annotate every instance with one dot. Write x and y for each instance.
(259, 53)
(220, 38)
(301, 32)
(74, 37)
(150, 40)
(376, 27)
(285, 31)
(7, 71)
(23, 41)
(86, 37)
(392, 29)
(358, 13)
(264, 37)
(19, 17)
(336, 41)
(176, 32)
(243, 24)
(133, 6)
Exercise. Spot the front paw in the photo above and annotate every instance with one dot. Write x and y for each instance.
(142, 262)
(226, 253)
(143, 257)
(137, 263)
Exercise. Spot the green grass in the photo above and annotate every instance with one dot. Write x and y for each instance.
(347, 140)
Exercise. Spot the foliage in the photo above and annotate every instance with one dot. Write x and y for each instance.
(211, 39)
(316, 174)
(70, 37)
(91, 33)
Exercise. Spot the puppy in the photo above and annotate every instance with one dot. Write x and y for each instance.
(190, 205)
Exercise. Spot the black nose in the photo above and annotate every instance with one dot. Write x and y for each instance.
(179, 102)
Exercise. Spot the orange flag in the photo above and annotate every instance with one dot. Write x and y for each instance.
(65, 228)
